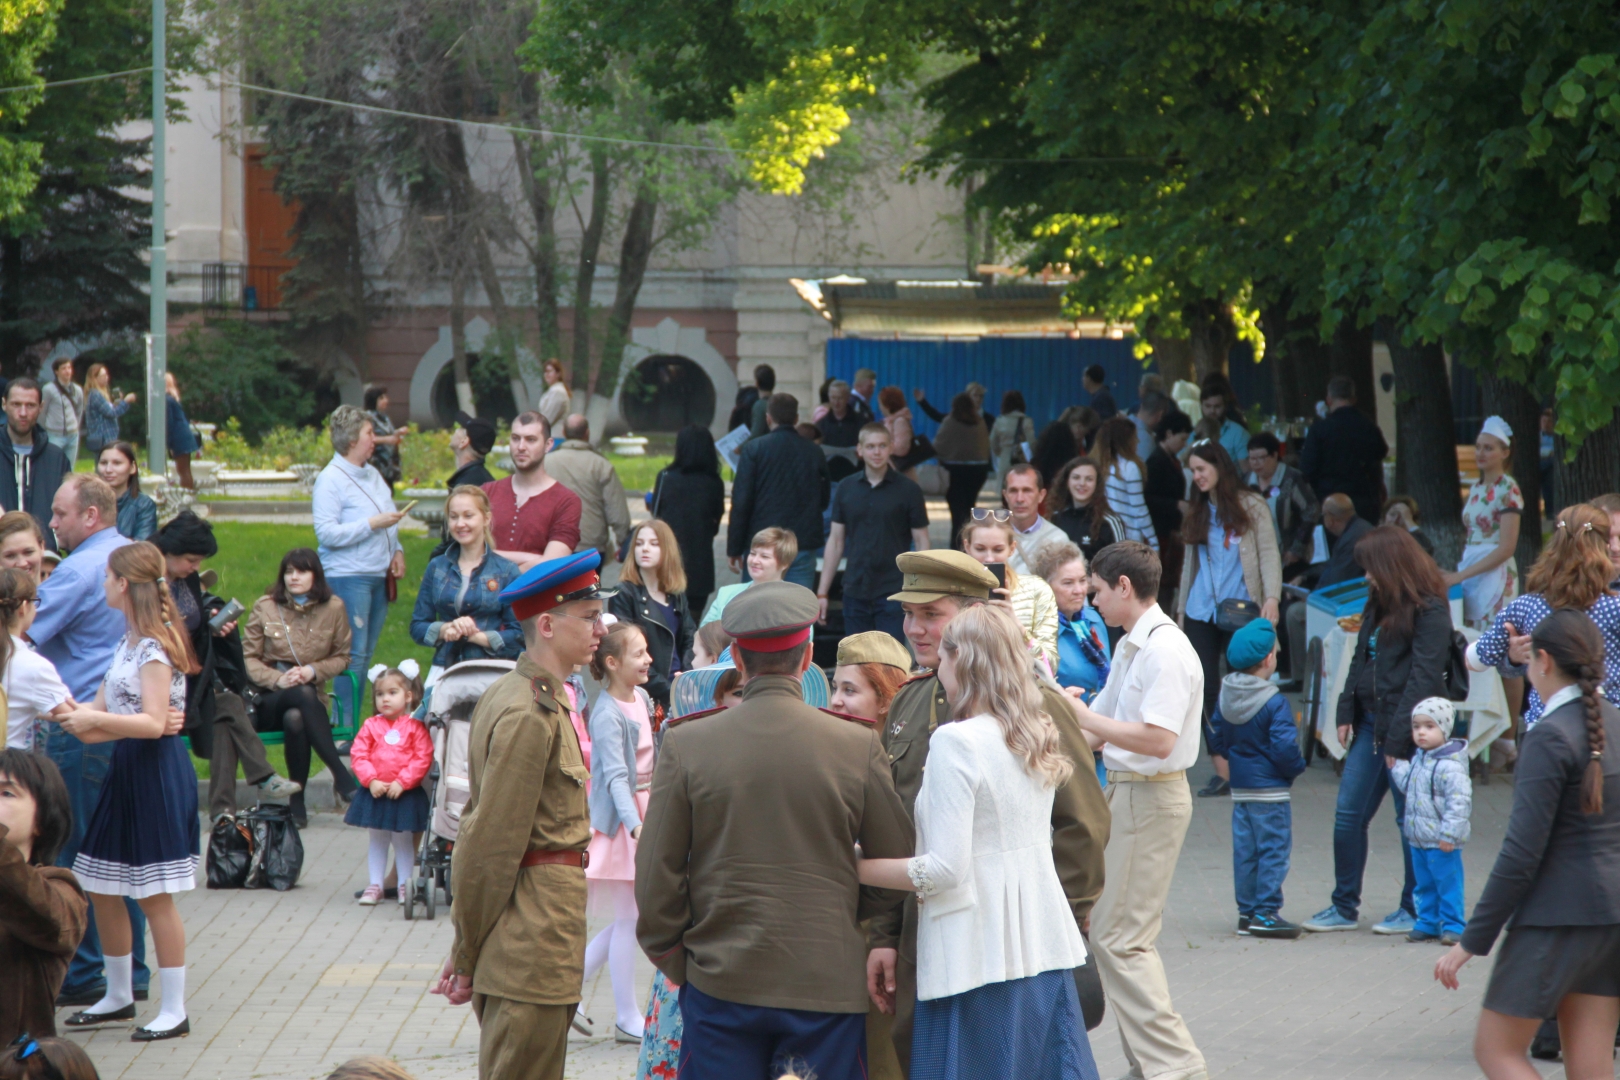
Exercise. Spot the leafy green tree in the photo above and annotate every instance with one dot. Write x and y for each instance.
(237, 368)
(27, 28)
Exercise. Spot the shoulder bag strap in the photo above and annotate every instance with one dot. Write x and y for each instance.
(373, 502)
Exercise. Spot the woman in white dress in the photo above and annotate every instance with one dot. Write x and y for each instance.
(996, 940)
(1491, 516)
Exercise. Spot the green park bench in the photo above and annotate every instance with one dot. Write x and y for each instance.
(348, 698)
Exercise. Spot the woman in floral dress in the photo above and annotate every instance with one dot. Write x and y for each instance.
(1491, 516)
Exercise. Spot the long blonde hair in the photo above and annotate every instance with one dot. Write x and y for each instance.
(478, 496)
(90, 386)
(148, 606)
(671, 571)
(993, 678)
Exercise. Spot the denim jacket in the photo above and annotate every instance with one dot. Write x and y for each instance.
(436, 605)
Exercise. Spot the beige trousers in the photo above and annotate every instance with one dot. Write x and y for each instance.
(1149, 823)
(520, 1041)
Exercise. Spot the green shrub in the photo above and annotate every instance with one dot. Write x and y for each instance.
(229, 368)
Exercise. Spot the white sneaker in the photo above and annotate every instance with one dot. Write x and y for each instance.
(278, 787)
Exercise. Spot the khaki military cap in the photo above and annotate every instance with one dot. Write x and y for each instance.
(930, 575)
(771, 616)
(873, 647)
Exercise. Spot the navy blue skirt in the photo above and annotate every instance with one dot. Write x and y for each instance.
(408, 813)
(143, 838)
(1028, 1029)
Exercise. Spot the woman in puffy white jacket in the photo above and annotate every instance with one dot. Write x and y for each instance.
(996, 940)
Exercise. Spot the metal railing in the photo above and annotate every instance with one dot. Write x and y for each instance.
(235, 285)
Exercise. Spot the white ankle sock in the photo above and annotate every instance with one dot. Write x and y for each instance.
(118, 970)
(173, 982)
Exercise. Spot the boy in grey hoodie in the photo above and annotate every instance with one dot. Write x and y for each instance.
(1439, 799)
(1254, 729)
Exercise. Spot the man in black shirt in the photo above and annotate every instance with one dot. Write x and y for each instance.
(842, 424)
(1095, 381)
(1344, 452)
(877, 514)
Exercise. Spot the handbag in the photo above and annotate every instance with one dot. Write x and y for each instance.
(278, 850)
(1233, 615)
(1457, 667)
(230, 852)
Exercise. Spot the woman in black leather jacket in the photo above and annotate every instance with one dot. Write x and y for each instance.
(1400, 659)
(652, 594)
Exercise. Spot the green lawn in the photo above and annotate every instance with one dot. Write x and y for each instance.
(248, 557)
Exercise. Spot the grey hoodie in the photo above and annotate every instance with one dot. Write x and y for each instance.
(1243, 695)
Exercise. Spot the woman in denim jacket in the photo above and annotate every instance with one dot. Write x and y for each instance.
(459, 610)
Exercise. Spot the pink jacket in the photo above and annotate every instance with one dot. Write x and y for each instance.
(407, 759)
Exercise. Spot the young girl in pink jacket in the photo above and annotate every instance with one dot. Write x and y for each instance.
(390, 756)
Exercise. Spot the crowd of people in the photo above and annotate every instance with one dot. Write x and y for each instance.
(1127, 601)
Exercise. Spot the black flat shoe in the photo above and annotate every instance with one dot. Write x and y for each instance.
(179, 1031)
(89, 1019)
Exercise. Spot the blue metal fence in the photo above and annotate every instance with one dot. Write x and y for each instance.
(1045, 370)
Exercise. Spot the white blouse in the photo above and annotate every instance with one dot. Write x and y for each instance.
(991, 906)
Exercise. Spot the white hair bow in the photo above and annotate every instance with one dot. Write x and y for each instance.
(376, 670)
(410, 668)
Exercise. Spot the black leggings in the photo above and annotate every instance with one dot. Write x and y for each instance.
(1210, 645)
(963, 494)
(297, 713)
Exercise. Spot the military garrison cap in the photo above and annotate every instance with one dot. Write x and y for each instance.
(556, 582)
(771, 616)
(930, 575)
(873, 647)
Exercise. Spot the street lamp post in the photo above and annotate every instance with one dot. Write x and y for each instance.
(158, 341)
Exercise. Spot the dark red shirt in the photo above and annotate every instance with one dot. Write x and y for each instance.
(551, 515)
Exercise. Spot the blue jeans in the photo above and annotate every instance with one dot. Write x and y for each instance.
(84, 768)
(1262, 841)
(861, 615)
(1361, 793)
(367, 603)
(68, 444)
(1439, 893)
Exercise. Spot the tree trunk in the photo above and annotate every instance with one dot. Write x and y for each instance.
(458, 344)
(1350, 353)
(1520, 407)
(1425, 454)
(1174, 358)
(1211, 334)
(590, 246)
(635, 251)
(537, 193)
(1298, 359)
(1595, 470)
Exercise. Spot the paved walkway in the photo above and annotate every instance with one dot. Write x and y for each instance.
(286, 985)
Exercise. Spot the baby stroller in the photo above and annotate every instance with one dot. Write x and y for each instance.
(448, 716)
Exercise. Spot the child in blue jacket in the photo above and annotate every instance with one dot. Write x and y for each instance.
(1254, 730)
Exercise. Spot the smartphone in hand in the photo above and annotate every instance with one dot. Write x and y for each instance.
(1000, 570)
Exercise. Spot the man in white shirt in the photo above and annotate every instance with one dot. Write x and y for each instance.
(1023, 492)
(1146, 719)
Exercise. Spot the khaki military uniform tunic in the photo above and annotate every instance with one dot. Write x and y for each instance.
(745, 872)
(520, 931)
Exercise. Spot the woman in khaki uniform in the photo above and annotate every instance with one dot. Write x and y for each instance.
(297, 640)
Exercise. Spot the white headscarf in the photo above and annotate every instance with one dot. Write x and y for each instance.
(1497, 427)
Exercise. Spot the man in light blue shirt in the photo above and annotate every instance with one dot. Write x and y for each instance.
(78, 632)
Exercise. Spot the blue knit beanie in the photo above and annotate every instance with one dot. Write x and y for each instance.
(1251, 645)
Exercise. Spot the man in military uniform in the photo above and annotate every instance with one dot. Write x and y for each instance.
(937, 585)
(746, 869)
(519, 915)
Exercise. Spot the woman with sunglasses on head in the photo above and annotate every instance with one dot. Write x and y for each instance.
(989, 538)
(1232, 572)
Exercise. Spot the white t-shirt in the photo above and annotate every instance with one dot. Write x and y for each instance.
(33, 688)
(1156, 678)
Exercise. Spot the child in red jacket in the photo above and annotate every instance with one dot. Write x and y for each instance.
(391, 755)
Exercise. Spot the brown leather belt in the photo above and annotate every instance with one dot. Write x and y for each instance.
(581, 859)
